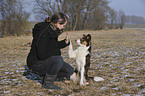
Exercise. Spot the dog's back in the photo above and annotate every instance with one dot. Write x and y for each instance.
(88, 57)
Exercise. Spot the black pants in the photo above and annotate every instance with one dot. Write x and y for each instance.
(52, 66)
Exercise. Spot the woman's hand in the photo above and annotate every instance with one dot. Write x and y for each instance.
(67, 39)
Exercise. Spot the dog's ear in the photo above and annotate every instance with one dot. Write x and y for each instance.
(84, 35)
(89, 37)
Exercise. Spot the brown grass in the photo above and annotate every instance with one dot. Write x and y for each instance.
(117, 55)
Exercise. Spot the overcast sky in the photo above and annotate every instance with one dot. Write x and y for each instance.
(130, 7)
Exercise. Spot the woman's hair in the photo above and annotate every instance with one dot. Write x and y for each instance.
(58, 17)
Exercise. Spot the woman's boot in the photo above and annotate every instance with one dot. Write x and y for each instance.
(42, 79)
(48, 82)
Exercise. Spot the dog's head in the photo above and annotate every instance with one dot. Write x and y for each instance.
(85, 40)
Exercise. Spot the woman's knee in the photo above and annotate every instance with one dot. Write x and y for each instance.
(71, 71)
(57, 60)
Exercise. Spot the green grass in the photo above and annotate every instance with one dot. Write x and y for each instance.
(117, 55)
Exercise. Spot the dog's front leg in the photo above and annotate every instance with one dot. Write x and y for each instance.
(82, 81)
(71, 52)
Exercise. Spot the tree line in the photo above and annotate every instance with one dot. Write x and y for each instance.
(135, 20)
(84, 14)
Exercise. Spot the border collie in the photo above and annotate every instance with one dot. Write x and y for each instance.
(82, 57)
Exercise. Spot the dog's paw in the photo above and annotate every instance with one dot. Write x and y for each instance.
(74, 78)
(82, 84)
(70, 45)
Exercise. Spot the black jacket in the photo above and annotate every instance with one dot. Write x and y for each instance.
(45, 43)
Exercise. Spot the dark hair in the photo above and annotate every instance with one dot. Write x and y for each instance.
(58, 17)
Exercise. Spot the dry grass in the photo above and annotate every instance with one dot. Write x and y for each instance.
(117, 55)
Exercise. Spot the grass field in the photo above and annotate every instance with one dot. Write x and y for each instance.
(134, 25)
(117, 55)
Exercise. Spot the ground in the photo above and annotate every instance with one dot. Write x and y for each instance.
(118, 56)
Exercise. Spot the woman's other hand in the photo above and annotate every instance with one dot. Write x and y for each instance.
(67, 38)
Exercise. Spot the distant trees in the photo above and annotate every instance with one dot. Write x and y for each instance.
(13, 18)
(84, 14)
(116, 19)
(112, 20)
(134, 20)
(121, 18)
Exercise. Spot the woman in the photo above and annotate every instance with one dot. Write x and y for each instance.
(44, 57)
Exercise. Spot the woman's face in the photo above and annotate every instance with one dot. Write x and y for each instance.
(61, 26)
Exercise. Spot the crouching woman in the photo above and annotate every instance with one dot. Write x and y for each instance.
(44, 57)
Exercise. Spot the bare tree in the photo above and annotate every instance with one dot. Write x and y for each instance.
(89, 6)
(99, 20)
(112, 18)
(116, 19)
(99, 15)
(74, 8)
(121, 19)
(80, 11)
(13, 17)
(46, 8)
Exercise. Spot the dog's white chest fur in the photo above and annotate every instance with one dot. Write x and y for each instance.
(81, 53)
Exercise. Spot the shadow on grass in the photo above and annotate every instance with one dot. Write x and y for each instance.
(30, 75)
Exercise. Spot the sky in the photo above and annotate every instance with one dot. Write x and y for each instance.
(129, 7)
(28, 6)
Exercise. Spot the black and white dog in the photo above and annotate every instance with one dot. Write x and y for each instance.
(82, 57)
